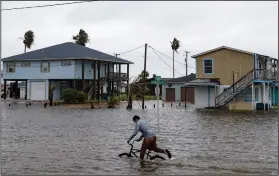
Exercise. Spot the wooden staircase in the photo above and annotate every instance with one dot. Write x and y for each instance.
(95, 89)
(225, 97)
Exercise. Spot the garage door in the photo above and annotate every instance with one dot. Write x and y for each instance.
(190, 95)
(38, 91)
(170, 94)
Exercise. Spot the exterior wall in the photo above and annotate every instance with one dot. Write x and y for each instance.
(177, 91)
(243, 101)
(261, 96)
(29, 87)
(22, 92)
(240, 105)
(56, 70)
(34, 71)
(89, 70)
(205, 97)
(224, 62)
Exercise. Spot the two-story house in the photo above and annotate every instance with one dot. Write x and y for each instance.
(229, 77)
(65, 65)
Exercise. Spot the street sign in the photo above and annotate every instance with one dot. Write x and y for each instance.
(157, 78)
(157, 81)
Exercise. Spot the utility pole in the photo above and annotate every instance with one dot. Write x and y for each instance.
(144, 71)
(186, 64)
(278, 83)
(173, 64)
(116, 55)
(118, 82)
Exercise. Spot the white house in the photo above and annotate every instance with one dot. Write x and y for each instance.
(174, 89)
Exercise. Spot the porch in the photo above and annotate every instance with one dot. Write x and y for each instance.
(90, 86)
(259, 92)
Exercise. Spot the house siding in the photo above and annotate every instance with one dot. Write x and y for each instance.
(226, 61)
(205, 97)
(56, 70)
(89, 70)
(34, 71)
(243, 101)
(177, 91)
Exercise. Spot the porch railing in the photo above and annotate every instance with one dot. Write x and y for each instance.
(265, 74)
(115, 75)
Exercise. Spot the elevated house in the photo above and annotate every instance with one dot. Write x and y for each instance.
(66, 65)
(174, 89)
(233, 78)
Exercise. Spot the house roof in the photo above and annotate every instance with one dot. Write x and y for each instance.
(182, 79)
(201, 82)
(225, 47)
(66, 50)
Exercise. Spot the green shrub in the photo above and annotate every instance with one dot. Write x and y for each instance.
(73, 96)
(81, 97)
(112, 102)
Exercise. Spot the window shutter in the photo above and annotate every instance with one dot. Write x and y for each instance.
(48, 67)
(14, 64)
(41, 67)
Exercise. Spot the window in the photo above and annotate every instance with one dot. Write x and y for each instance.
(270, 93)
(256, 94)
(208, 66)
(10, 67)
(25, 64)
(45, 67)
(66, 64)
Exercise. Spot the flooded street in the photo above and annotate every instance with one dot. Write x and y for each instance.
(57, 140)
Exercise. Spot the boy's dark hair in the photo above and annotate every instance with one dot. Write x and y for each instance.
(136, 118)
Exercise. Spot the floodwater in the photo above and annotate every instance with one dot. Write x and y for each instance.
(57, 140)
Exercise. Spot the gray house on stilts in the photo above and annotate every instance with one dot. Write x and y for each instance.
(66, 65)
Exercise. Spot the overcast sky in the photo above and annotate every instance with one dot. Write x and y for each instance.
(115, 27)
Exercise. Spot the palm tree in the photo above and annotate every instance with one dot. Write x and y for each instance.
(81, 38)
(175, 44)
(28, 39)
(142, 75)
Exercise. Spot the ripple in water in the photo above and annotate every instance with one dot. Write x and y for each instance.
(59, 140)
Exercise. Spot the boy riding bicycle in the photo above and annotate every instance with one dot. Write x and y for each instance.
(149, 136)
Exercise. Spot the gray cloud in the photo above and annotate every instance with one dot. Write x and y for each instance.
(115, 27)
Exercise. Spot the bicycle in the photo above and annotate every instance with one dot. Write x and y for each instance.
(134, 151)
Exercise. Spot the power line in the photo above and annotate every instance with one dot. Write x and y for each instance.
(130, 50)
(49, 5)
(171, 58)
(165, 62)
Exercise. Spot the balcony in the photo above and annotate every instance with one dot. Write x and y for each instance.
(114, 76)
(265, 74)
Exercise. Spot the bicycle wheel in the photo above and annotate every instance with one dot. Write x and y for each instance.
(157, 157)
(125, 155)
